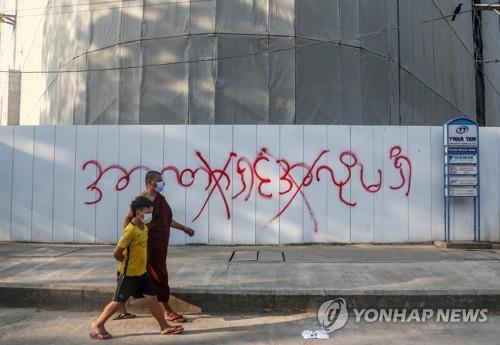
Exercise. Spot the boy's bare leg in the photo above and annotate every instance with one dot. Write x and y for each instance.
(109, 310)
(157, 312)
(122, 309)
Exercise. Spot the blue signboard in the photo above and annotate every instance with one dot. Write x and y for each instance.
(461, 167)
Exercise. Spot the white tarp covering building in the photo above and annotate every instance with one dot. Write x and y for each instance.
(373, 62)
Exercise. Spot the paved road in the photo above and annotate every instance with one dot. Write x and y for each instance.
(30, 326)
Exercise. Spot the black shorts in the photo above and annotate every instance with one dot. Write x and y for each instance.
(135, 286)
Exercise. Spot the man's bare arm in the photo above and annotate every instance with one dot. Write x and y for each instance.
(179, 226)
(128, 218)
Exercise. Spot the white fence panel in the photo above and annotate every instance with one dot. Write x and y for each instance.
(376, 184)
(362, 203)
(244, 184)
(108, 217)
(129, 158)
(397, 176)
(174, 156)
(43, 184)
(22, 183)
(218, 195)
(437, 183)
(314, 192)
(86, 197)
(198, 139)
(419, 150)
(490, 183)
(64, 184)
(267, 185)
(338, 187)
(291, 178)
(6, 155)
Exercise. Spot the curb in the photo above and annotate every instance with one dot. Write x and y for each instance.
(466, 245)
(88, 299)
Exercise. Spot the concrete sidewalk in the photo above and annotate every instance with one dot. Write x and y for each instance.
(259, 278)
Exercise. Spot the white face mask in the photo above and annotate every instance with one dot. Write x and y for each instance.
(159, 186)
(148, 217)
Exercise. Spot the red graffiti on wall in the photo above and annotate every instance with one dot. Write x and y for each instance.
(252, 178)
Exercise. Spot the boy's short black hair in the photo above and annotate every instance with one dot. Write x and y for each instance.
(151, 174)
(140, 203)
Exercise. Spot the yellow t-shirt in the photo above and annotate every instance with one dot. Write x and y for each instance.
(137, 239)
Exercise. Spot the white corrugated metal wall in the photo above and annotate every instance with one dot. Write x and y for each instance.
(44, 194)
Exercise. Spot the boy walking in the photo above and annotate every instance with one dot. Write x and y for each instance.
(133, 280)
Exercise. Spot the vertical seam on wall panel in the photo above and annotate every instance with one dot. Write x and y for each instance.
(255, 192)
(350, 189)
(12, 179)
(74, 180)
(360, 56)
(189, 72)
(140, 158)
(339, 66)
(303, 203)
(431, 184)
(190, 20)
(327, 184)
(32, 178)
(141, 82)
(294, 62)
(185, 189)
(399, 63)
(53, 182)
(374, 172)
(162, 148)
(431, 178)
(498, 169)
(118, 193)
(232, 179)
(409, 195)
(120, 60)
(95, 205)
(268, 85)
(210, 160)
(215, 65)
(326, 187)
(278, 194)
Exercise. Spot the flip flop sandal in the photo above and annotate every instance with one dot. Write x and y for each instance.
(178, 319)
(173, 330)
(124, 316)
(100, 335)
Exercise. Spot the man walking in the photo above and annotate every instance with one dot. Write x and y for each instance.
(159, 235)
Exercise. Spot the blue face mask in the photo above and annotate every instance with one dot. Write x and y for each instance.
(159, 185)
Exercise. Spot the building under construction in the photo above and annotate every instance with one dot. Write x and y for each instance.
(370, 62)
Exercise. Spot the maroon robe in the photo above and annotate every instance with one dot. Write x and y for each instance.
(158, 237)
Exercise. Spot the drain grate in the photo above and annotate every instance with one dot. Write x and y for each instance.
(271, 256)
(243, 256)
(257, 256)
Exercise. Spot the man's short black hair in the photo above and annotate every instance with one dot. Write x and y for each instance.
(151, 174)
(140, 203)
